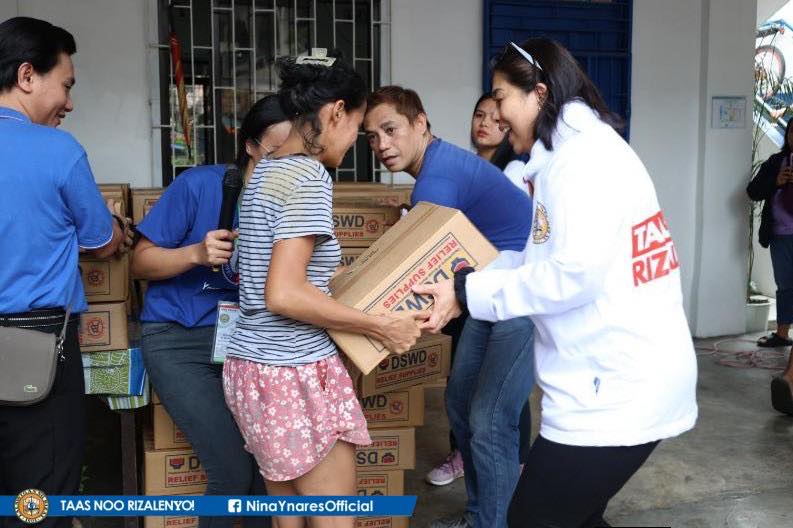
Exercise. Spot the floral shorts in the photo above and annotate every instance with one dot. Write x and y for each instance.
(291, 417)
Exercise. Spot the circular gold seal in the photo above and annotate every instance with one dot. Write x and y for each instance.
(31, 506)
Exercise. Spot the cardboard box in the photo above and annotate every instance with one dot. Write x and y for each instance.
(105, 280)
(428, 360)
(166, 434)
(142, 202)
(104, 327)
(359, 224)
(381, 522)
(377, 193)
(186, 521)
(118, 193)
(439, 383)
(401, 408)
(171, 471)
(350, 254)
(390, 483)
(425, 246)
(390, 449)
(176, 521)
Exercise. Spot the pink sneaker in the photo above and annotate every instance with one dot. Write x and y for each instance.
(447, 471)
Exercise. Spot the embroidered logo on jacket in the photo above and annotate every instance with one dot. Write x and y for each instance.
(540, 227)
(654, 254)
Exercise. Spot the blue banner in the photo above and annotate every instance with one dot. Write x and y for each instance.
(215, 505)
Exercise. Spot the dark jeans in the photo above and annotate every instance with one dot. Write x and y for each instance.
(782, 262)
(42, 445)
(566, 486)
(190, 387)
(454, 329)
(492, 375)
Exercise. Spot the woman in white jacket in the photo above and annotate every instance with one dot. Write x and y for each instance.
(600, 279)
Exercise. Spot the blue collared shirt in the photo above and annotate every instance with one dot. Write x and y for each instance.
(49, 205)
(453, 177)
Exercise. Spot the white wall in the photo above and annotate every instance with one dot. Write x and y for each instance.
(436, 49)
(686, 52)
(765, 8)
(721, 293)
(665, 106)
(111, 98)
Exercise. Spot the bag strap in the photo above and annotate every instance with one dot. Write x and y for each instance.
(62, 338)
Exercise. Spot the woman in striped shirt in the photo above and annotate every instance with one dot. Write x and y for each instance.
(285, 384)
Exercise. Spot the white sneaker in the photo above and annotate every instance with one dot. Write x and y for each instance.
(447, 471)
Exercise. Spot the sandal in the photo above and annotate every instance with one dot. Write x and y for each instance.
(773, 340)
(781, 395)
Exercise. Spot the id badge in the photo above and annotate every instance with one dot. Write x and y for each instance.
(228, 313)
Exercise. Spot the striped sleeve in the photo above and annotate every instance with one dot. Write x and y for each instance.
(307, 211)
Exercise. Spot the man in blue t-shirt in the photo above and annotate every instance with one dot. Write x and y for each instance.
(493, 368)
(51, 209)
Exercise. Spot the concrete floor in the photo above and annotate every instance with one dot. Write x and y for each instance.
(735, 469)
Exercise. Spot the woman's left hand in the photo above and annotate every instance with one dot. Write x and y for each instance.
(445, 308)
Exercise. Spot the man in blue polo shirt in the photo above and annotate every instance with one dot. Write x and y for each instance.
(51, 209)
(493, 367)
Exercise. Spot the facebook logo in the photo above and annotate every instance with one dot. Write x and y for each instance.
(235, 506)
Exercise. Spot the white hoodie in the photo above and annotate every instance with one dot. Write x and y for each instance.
(601, 281)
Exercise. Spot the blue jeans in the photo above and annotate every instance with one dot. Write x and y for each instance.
(190, 386)
(491, 379)
(782, 262)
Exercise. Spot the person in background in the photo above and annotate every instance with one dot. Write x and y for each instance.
(599, 277)
(50, 210)
(773, 184)
(180, 243)
(284, 382)
(492, 373)
(492, 144)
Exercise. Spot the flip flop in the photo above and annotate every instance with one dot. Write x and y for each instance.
(781, 395)
(773, 340)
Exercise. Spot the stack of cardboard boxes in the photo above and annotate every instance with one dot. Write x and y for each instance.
(103, 328)
(171, 467)
(427, 245)
(142, 201)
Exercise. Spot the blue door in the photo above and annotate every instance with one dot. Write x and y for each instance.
(597, 33)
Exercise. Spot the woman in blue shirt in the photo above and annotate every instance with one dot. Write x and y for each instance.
(179, 246)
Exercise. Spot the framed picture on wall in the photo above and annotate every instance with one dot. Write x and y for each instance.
(728, 112)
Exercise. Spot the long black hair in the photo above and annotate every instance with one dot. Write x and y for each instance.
(264, 113)
(560, 72)
(306, 88)
(504, 152)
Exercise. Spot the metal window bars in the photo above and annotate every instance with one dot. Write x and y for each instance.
(228, 52)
